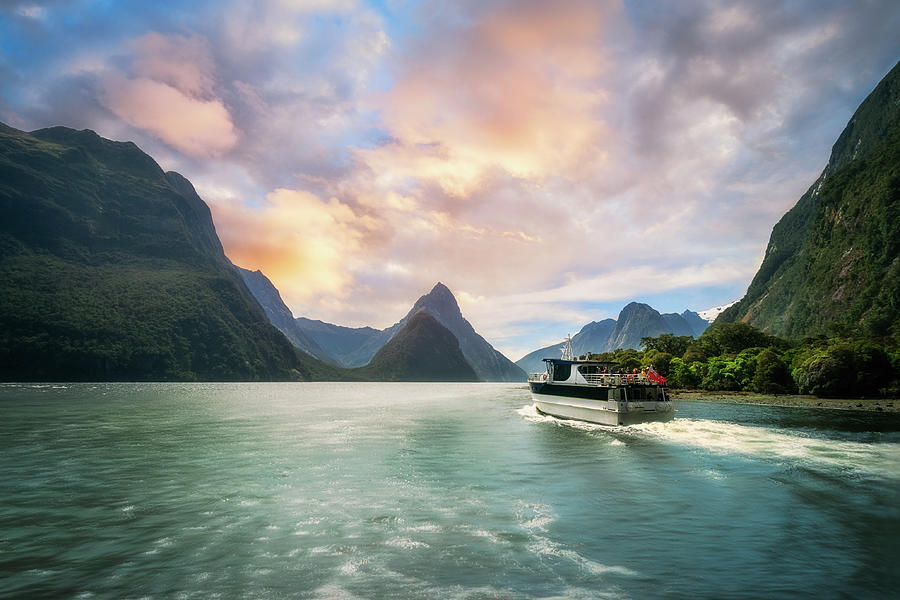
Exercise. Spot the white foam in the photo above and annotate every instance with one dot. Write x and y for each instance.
(483, 533)
(429, 527)
(873, 459)
(878, 459)
(405, 543)
(534, 516)
(351, 567)
(545, 546)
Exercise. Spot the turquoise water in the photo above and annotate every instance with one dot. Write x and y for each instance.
(434, 491)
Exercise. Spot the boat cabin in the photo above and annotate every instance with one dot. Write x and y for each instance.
(590, 372)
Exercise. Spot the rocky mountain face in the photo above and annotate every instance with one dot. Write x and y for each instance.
(280, 315)
(635, 321)
(423, 350)
(832, 262)
(111, 269)
(639, 320)
(339, 342)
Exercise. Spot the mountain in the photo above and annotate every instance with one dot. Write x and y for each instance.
(593, 337)
(423, 350)
(711, 314)
(280, 315)
(337, 341)
(696, 322)
(678, 324)
(635, 321)
(440, 303)
(832, 260)
(638, 320)
(111, 269)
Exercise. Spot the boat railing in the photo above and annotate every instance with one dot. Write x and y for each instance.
(602, 379)
(614, 378)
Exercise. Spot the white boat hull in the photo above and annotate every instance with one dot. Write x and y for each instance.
(603, 412)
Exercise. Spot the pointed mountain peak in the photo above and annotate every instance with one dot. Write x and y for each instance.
(440, 289)
(633, 308)
(440, 300)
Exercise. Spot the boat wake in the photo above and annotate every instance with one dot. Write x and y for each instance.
(868, 459)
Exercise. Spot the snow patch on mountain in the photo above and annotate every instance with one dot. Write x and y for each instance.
(710, 314)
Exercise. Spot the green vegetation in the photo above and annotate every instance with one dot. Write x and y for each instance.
(736, 356)
(111, 269)
(832, 266)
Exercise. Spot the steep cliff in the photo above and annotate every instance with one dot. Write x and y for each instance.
(111, 269)
(832, 263)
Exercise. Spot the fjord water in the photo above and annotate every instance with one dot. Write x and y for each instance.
(434, 491)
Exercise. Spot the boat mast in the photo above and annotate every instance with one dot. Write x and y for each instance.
(567, 353)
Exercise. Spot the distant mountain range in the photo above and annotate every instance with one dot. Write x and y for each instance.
(111, 269)
(280, 315)
(338, 341)
(357, 347)
(833, 261)
(636, 321)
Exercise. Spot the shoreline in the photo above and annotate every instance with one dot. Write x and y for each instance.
(886, 405)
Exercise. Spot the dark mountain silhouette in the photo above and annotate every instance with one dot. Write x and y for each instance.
(440, 303)
(832, 263)
(423, 350)
(111, 269)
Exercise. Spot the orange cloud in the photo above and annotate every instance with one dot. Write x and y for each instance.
(516, 91)
(307, 245)
(195, 127)
(169, 92)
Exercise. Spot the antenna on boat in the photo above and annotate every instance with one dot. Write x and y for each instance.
(567, 353)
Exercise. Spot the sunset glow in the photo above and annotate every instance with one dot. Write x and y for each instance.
(548, 161)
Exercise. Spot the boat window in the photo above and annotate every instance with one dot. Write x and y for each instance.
(561, 372)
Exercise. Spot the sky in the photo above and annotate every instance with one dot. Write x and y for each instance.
(548, 161)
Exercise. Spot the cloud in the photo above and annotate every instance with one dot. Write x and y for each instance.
(514, 88)
(184, 63)
(196, 127)
(546, 160)
(310, 246)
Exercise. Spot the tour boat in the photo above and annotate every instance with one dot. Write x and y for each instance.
(590, 390)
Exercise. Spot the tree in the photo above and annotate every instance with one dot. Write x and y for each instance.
(731, 338)
(772, 374)
(667, 342)
(684, 375)
(843, 368)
